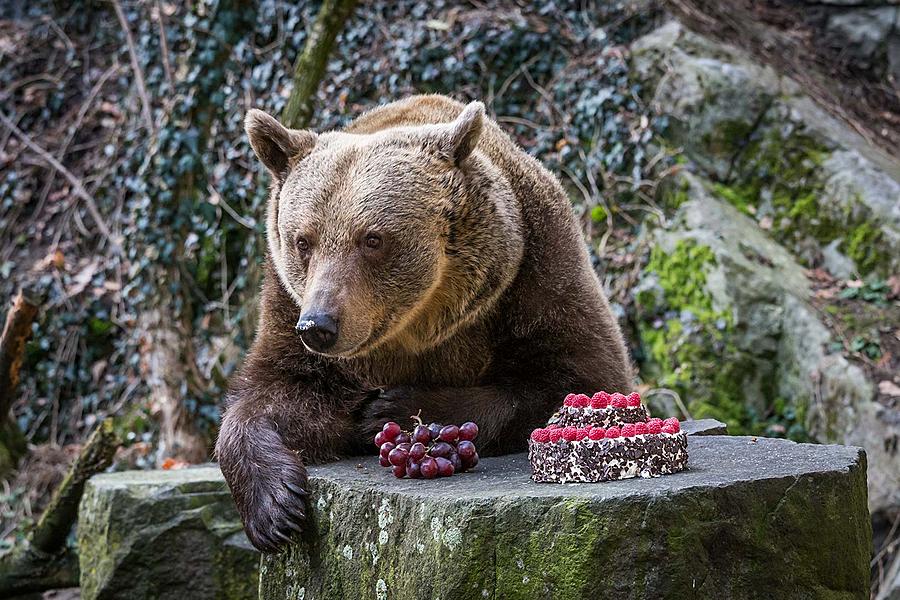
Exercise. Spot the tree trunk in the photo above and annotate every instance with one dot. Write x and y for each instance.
(168, 359)
(310, 65)
(44, 562)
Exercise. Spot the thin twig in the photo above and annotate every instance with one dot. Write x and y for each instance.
(76, 183)
(164, 45)
(136, 66)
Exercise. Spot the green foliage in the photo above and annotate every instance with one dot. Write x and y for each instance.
(780, 178)
(690, 348)
(686, 339)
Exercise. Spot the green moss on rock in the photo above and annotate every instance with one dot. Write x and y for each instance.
(496, 534)
(163, 534)
(780, 178)
(687, 340)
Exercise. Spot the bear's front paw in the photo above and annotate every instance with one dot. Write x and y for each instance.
(269, 485)
(274, 505)
(394, 404)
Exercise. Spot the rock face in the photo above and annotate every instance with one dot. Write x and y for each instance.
(496, 534)
(809, 179)
(163, 534)
(770, 187)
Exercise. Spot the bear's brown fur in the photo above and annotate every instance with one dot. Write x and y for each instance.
(460, 281)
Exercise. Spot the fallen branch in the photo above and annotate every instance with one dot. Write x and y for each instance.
(44, 562)
(76, 183)
(15, 334)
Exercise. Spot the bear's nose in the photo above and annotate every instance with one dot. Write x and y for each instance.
(319, 331)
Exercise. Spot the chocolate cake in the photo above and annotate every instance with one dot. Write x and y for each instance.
(604, 438)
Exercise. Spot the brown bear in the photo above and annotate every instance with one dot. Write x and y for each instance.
(418, 260)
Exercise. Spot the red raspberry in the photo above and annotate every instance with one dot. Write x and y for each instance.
(581, 401)
(633, 399)
(671, 426)
(540, 435)
(597, 433)
(613, 432)
(552, 426)
(654, 425)
(628, 430)
(582, 433)
(640, 428)
(569, 433)
(568, 400)
(600, 400)
(618, 400)
(555, 435)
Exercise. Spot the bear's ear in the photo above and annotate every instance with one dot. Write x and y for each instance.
(277, 146)
(459, 138)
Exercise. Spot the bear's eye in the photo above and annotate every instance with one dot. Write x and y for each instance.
(373, 241)
(302, 245)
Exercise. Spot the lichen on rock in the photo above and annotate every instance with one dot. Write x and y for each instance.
(164, 534)
(494, 533)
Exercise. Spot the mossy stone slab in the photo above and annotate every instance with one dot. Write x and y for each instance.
(164, 534)
(751, 518)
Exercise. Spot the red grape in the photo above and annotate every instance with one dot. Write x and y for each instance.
(445, 467)
(457, 463)
(412, 469)
(435, 429)
(466, 449)
(398, 456)
(380, 438)
(428, 468)
(391, 430)
(449, 433)
(399, 471)
(405, 446)
(468, 431)
(386, 448)
(383, 461)
(441, 449)
(417, 452)
(402, 438)
(468, 463)
(421, 434)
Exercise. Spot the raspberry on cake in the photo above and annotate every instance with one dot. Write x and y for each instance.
(603, 438)
(600, 410)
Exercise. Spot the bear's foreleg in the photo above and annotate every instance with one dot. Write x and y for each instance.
(272, 425)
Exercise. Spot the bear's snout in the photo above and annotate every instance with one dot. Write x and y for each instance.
(318, 331)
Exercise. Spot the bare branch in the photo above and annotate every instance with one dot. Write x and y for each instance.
(75, 181)
(136, 66)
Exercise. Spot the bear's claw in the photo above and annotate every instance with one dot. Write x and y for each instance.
(276, 506)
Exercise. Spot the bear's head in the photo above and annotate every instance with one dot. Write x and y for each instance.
(397, 236)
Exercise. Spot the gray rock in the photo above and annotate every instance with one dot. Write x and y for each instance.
(704, 427)
(163, 534)
(784, 160)
(836, 263)
(864, 31)
(494, 533)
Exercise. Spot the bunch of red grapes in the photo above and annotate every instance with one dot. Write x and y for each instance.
(428, 451)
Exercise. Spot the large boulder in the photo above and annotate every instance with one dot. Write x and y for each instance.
(726, 319)
(164, 534)
(809, 180)
(751, 517)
